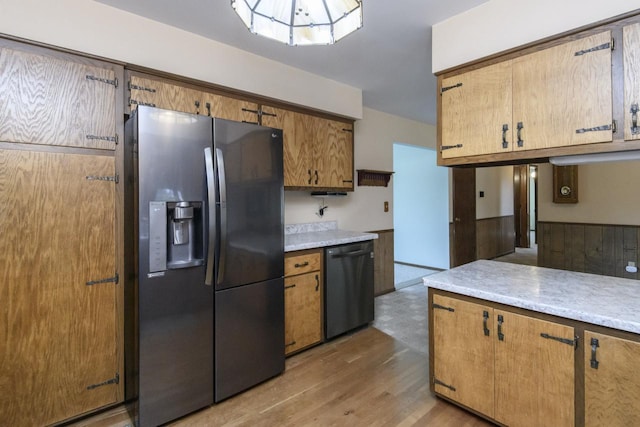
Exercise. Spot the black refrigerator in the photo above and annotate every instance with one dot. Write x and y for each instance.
(209, 291)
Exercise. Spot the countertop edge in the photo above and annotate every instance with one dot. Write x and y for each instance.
(591, 318)
(361, 237)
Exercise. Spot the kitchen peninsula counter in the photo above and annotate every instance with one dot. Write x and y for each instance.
(600, 300)
(318, 235)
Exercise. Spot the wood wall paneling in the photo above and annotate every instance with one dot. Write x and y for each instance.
(591, 248)
(495, 236)
(383, 263)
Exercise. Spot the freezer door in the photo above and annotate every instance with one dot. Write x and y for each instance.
(250, 203)
(175, 307)
(249, 336)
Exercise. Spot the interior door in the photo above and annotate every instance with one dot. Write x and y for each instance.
(464, 216)
(58, 340)
(521, 205)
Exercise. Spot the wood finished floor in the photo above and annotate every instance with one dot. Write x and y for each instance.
(364, 379)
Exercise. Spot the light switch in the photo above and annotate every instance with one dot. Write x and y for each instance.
(386, 206)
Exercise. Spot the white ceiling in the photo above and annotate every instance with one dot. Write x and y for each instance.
(389, 58)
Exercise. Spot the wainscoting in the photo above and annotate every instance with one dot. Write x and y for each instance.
(590, 248)
(383, 279)
(495, 237)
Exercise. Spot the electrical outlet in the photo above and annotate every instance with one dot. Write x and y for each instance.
(631, 267)
(386, 206)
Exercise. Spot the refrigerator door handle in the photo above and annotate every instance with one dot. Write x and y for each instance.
(222, 183)
(211, 192)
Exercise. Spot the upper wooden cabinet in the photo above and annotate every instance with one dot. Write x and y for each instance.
(476, 112)
(562, 95)
(56, 99)
(556, 97)
(318, 152)
(173, 96)
(611, 381)
(631, 52)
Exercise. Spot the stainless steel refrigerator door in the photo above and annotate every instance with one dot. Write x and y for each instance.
(250, 207)
(249, 336)
(175, 306)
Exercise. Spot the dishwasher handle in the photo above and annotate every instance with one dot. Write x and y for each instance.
(350, 254)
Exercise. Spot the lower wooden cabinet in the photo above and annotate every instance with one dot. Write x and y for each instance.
(58, 339)
(611, 381)
(303, 290)
(515, 369)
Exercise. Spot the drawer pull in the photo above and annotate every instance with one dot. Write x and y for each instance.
(594, 347)
(290, 286)
(304, 264)
(317, 283)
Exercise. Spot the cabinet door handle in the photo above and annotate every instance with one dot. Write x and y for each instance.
(290, 286)
(309, 172)
(520, 126)
(634, 119)
(505, 129)
(500, 321)
(304, 264)
(594, 347)
(317, 283)
(317, 177)
(485, 318)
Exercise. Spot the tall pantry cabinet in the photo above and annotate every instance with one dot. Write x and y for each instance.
(60, 273)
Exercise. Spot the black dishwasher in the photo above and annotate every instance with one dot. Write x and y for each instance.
(348, 287)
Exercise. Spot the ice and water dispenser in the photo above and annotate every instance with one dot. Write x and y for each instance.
(176, 238)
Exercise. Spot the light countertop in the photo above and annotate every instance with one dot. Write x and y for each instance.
(318, 235)
(600, 300)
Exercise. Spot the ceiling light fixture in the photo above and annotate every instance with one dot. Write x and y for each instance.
(300, 22)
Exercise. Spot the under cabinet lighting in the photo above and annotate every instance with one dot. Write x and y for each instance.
(581, 159)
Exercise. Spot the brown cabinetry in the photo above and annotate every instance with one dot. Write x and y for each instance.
(50, 100)
(318, 152)
(515, 369)
(631, 52)
(611, 381)
(61, 352)
(383, 266)
(556, 97)
(303, 290)
(168, 95)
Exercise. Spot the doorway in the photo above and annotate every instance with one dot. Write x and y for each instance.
(421, 212)
(525, 202)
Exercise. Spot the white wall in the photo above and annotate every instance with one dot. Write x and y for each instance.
(608, 193)
(497, 184)
(95, 28)
(421, 232)
(362, 210)
(499, 25)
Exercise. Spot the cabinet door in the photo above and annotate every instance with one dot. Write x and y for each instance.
(58, 340)
(156, 93)
(562, 95)
(631, 52)
(53, 101)
(303, 311)
(463, 353)
(227, 108)
(339, 155)
(476, 108)
(612, 386)
(534, 376)
(297, 131)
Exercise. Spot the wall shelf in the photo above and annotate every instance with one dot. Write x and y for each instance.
(371, 178)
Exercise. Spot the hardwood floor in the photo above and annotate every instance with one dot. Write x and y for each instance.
(364, 379)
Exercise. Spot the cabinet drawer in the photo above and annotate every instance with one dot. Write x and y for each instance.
(304, 263)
